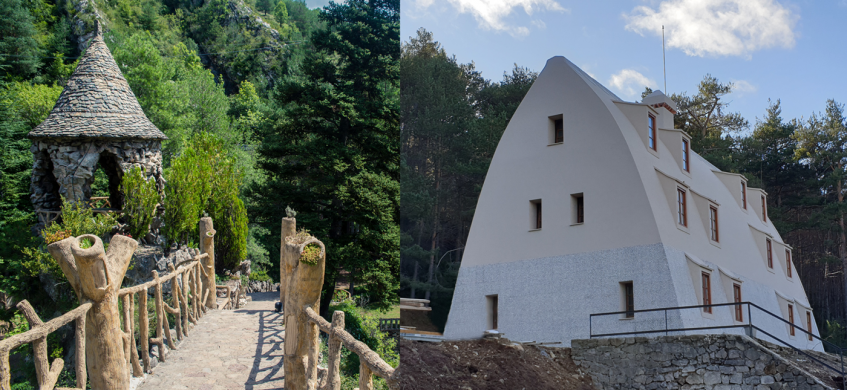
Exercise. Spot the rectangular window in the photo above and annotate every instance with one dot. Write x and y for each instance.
(707, 293)
(681, 212)
(788, 261)
(791, 319)
(558, 130)
(628, 299)
(652, 131)
(578, 202)
(809, 324)
(685, 156)
(770, 253)
(736, 297)
(492, 303)
(744, 195)
(713, 221)
(764, 209)
(535, 214)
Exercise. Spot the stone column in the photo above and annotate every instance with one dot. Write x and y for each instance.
(96, 276)
(302, 342)
(289, 228)
(207, 245)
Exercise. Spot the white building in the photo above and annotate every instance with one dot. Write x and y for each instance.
(632, 220)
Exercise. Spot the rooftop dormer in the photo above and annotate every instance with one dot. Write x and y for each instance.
(664, 105)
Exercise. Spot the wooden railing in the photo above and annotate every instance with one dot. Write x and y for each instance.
(37, 335)
(187, 308)
(370, 363)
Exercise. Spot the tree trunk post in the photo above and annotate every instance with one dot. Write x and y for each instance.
(96, 276)
(334, 355)
(302, 342)
(289, 228)
(207, 245)
(366, 379)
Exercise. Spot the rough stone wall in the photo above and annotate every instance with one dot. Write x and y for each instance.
(719, 362)
(73, 163)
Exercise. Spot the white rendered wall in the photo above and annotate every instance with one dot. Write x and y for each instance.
(563, 272)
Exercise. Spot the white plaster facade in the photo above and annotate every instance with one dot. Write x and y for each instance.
(549, 280)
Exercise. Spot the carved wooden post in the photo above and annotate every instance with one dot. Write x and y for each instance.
(46, 375)
(301, 336)
(334, 355)
(144, 329)
(96, 276)
(289, 228)
(366, 379)
(207, 245)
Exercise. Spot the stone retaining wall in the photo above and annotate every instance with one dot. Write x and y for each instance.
(719, 362)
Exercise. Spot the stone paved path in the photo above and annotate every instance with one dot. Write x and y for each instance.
(228, 349)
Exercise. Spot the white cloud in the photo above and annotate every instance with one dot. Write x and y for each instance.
(742, 87)
(717, 27)
(491, 14)
(630, 83)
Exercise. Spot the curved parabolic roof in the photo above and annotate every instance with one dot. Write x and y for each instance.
(97, 103)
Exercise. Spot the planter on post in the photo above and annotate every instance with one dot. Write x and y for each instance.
(207, 246)
(96, 276)
(302, 342)
(289, 228)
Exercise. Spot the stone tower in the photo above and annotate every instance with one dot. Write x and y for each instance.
(97, 120)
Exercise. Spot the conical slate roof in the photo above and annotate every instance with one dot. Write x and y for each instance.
(97, 103)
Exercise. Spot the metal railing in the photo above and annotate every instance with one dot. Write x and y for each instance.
(389, 324)
(748, 325)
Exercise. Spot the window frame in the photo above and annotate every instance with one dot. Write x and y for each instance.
(764, 209)
(809, 324)
(652, 141)
(736, 297)
(535, 214)
(493, 303)
(580, 209)
(791, 319)
(686, 150)
(558, 130)
(744, 194)
(682, 207)
(788, 263)
(769, 249)
(714, 230)
(706, 281)
(628, 299)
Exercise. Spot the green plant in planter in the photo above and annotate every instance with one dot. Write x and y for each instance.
(85, 243)
(311, 254)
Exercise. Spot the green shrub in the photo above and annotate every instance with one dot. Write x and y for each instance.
(77, 219)
(204, 178)
(140, 200)
(260, 276)
(365, 328)
(311, 254)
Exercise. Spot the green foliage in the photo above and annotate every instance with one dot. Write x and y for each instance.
(204, 178)
(333, 152)
(365, 328)
(311, 254)
(260, 276)
(77, 219)
(17, 40)
(140, 200)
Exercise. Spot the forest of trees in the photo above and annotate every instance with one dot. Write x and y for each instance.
(306, 104)
(452, 120)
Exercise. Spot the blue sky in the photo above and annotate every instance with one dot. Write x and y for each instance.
(795, 51)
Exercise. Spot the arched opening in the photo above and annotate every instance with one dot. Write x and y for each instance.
(46, 191)
(107, 181)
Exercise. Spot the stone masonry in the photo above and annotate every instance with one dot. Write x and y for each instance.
(96, 121)
(712, 362)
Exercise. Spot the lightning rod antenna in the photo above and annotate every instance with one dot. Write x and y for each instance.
(664, 65)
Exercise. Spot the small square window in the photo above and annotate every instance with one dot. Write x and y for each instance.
(535, 214)
(578, 208)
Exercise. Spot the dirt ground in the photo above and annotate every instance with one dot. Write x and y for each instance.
(487, 364)
(418, 319)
